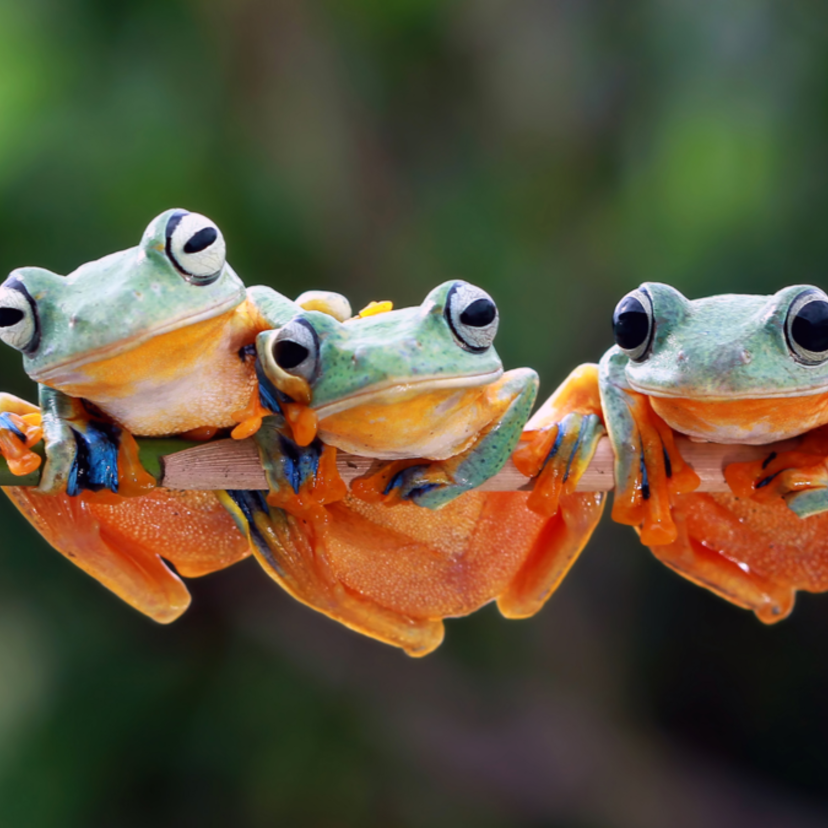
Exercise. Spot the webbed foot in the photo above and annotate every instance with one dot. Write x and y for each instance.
(649, 469)
(556, 447)
(20, 431)
(798, 477)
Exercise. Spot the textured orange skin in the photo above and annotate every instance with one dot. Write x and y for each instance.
(179, 381)
(756, 555)
(774, 417)
(188, 380)
(395, 572)
(121, 543)
(747, 547)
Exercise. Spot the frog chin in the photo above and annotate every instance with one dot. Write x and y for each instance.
(394, 391)
(65, 370)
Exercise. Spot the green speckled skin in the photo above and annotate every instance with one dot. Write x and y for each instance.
(132, 293)
(722, 347)
(372, 355)
(392, 348)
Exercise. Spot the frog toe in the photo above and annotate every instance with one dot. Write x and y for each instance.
(300, 478)
(424, 485)
(567, 448)
(17, 436)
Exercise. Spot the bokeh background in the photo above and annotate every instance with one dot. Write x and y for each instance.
(556, 153)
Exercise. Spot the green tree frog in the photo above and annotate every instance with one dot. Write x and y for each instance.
(422, 390)
(727, 369)
(146, 341)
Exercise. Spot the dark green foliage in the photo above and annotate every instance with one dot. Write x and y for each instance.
(555, 153)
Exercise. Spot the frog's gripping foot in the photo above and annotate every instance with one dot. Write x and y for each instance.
(555, 449)
(301, 479)
(292, 551)
(18, 434)
(85, 453)
(799, 477)
(401, 481)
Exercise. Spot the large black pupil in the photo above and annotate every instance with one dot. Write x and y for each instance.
(479, 313)
(630, 324)
(809, 328)
(289, 354)
(9, 317)
(201, 240)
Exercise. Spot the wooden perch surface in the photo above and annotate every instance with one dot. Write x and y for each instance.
(227, 464)
(231, 464)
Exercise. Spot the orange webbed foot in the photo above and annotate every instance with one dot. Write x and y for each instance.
(798, 477)
(18, 434)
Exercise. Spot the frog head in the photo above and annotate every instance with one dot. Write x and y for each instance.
(444, 344)
(724, 348)
(177, 276)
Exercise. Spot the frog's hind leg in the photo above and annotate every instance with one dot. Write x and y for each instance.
(743, 552)
(292, 552)
(121, 542)
(556, 448)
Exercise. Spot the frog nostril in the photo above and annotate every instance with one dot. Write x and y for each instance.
(10, 316)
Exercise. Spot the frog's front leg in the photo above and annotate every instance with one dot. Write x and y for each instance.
(434, 484)
(84, 452)
(20, 430)
(293, 553)
(799, 477)
(649, 469)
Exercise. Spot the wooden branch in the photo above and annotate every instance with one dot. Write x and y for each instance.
(228, 464)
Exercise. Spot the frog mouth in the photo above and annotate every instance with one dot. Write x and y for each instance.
(64, 371)
(393, 391)
(725, 396)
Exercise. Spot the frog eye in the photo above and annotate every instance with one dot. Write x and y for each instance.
(472, 316)
(632, 325)
(296, 349)
(18, 318)
(806, 327)
(196, 247)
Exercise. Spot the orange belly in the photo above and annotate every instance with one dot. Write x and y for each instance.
(743, 421)
(176, 382)
(435, 425)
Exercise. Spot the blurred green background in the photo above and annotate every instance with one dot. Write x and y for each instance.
(557, 154)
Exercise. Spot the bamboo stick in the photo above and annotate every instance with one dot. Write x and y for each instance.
(230, 464)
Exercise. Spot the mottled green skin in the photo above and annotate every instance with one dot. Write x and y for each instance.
(722, 347)
(393, 348)
(126, 297)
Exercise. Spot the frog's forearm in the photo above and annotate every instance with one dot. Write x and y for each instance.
(59, 441)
